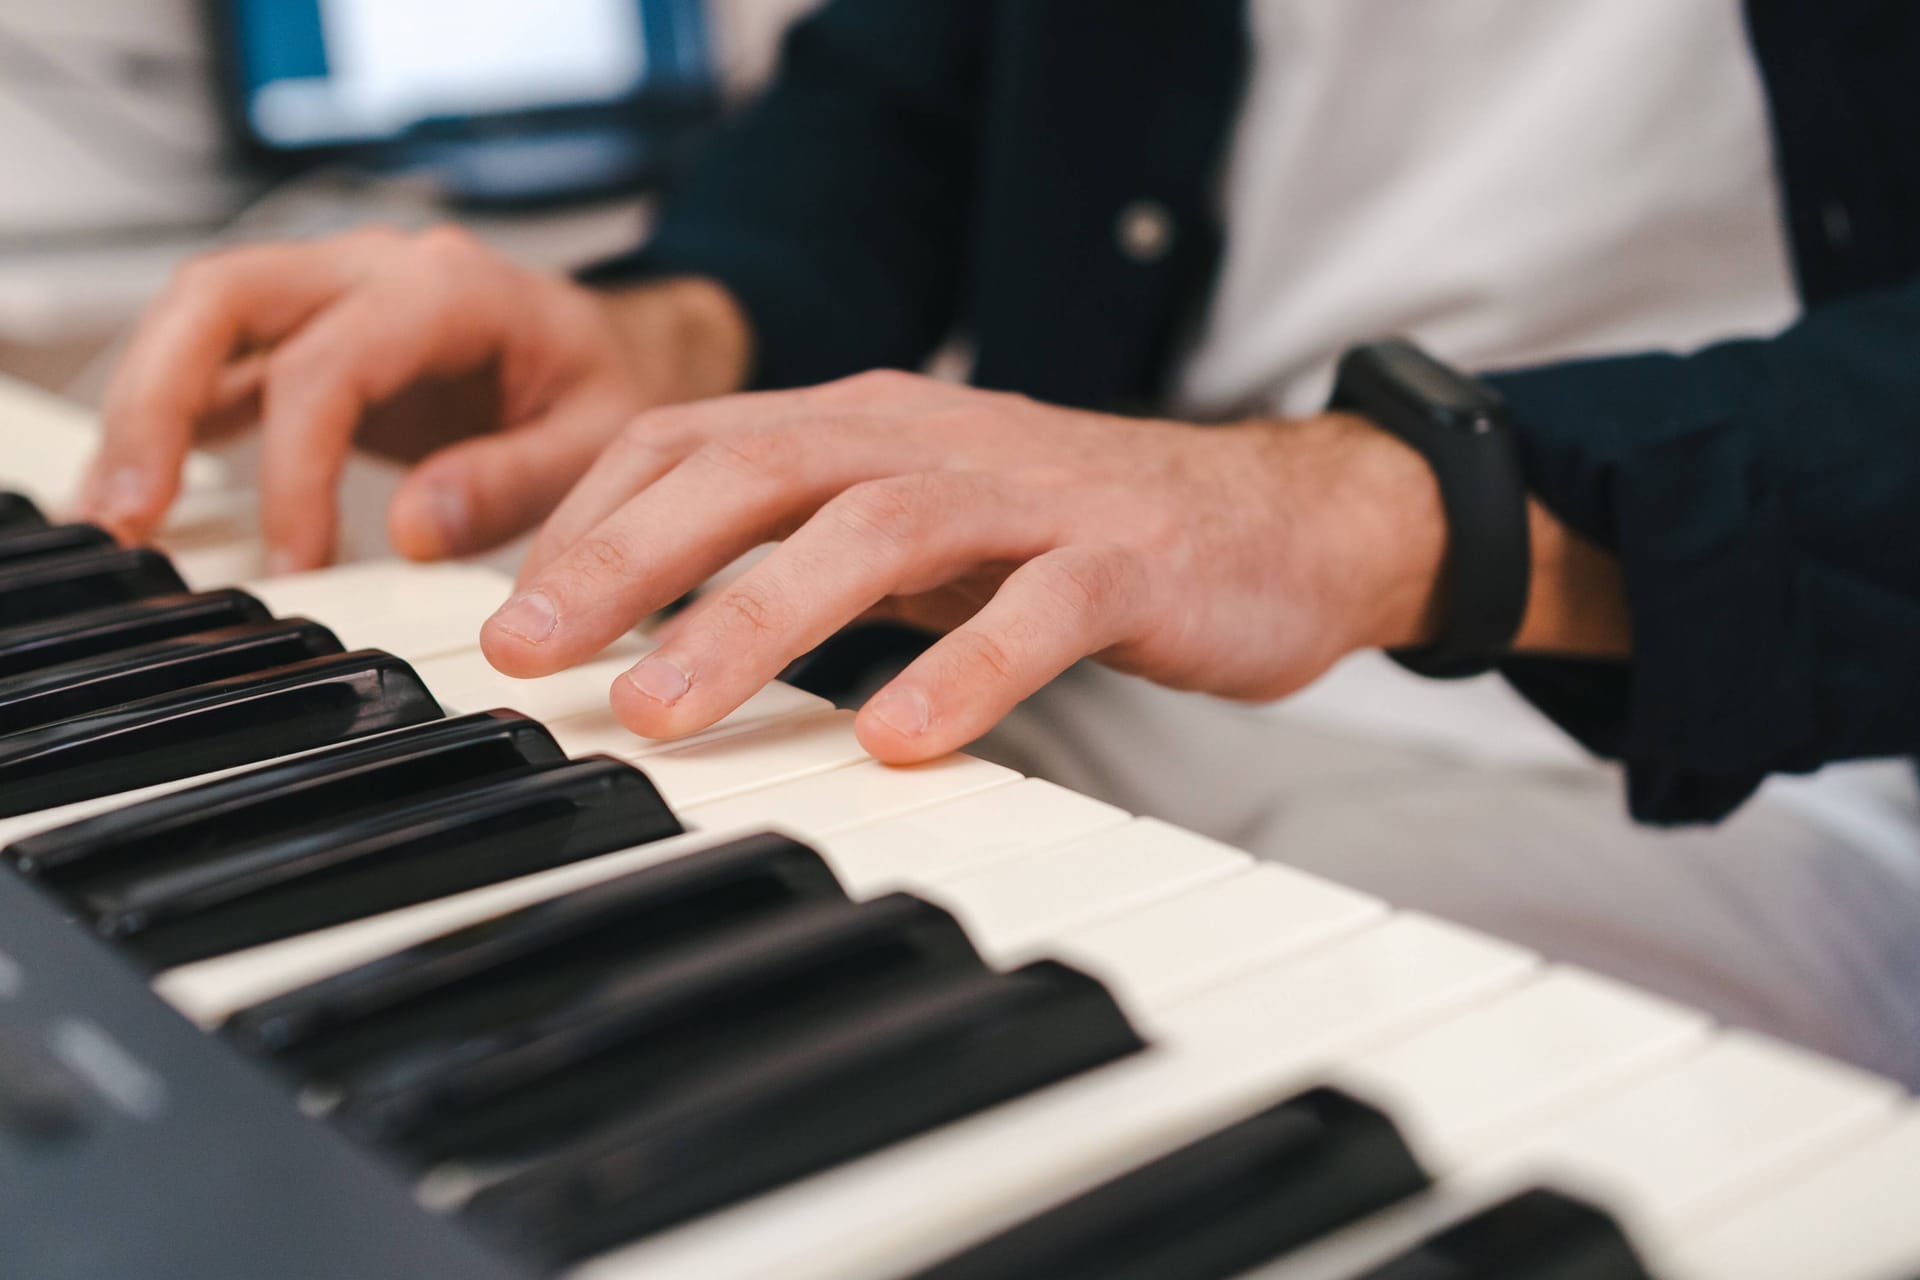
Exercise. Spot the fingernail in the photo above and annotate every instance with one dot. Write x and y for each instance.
(281, 561)
(661, 679)
(448, 507)
(905, 711)
(530, 616)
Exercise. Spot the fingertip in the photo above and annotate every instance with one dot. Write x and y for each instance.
(640, 713)
(125, 499)
(298, 552)
(509, 654)
(430, 519)
(896, 726)
(513, 638)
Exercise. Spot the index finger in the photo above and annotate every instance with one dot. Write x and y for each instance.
(170, 378)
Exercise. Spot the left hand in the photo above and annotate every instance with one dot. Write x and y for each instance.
(1239, 560)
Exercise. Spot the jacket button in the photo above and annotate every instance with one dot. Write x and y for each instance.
(1144, 230)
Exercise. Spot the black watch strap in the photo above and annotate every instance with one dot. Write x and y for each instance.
(1464, 432)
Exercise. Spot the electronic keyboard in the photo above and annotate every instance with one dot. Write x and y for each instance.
(327, 951)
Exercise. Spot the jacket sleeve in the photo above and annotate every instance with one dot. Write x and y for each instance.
(835, 207)
(1763, 497)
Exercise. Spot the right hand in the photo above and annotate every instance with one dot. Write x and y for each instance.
(316, 340)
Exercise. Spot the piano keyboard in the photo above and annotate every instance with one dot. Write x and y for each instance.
(514, 993)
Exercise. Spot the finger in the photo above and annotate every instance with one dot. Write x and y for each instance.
(652, 445)
(169, 378)
(724, 499)
(411, 323)
(480, 493)
(1052, 611)
(945, 607)
(235, 403)
(900, 534)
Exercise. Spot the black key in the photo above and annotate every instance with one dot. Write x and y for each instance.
(159, 667)
(243, 720)
(40, 589)
(329, 872)
(20, 545)
(1536, 1235)
(1236, 1198)
(183, 827)
(18, 512)
(73, 636)
(528, 960)
(643, 1029)
(839, 1091)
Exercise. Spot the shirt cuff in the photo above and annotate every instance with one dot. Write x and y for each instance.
(1649, 457)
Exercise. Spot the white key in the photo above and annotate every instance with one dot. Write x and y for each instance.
(213, 537)
(465, 682)
(1659, 1154)
(1694, 1139)
(1170, 949)
(414, 611)
(795, 748)
(1460, 1089)
(47, 443)
(1240, 1046)
(599, 732)
(208, 566)
(1855, 1217)
(963, 834)
(1013, 906)
(864, 793)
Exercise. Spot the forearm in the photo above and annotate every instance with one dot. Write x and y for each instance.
(1577, 596)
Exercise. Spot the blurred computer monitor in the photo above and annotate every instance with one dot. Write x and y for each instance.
(504, 100)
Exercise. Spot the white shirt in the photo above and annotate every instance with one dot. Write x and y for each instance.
(1509, 182)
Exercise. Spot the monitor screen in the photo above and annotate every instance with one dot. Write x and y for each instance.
(330, 73)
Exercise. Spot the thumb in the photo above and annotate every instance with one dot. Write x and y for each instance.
(477, 494)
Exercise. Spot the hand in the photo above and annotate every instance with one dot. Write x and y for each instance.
(1239, 560)
(432, 334)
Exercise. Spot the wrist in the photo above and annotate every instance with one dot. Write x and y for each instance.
(1391, 517)
(1577, 606)
(1376, 526)
(686, 336)
(1405, 540)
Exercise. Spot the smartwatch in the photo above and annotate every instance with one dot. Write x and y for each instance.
(1463, 430)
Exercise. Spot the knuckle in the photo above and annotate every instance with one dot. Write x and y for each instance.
(448, 241)
(289, 365)
(754, 455)
(982, 650)
(875, 382)
(893, 511)
(652, 431)
(378, 235)
(204, 275)
(603, 558)
(1081, 580)
(750, 608)
(311, 363)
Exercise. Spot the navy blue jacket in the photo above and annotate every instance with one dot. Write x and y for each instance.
(926, 167)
